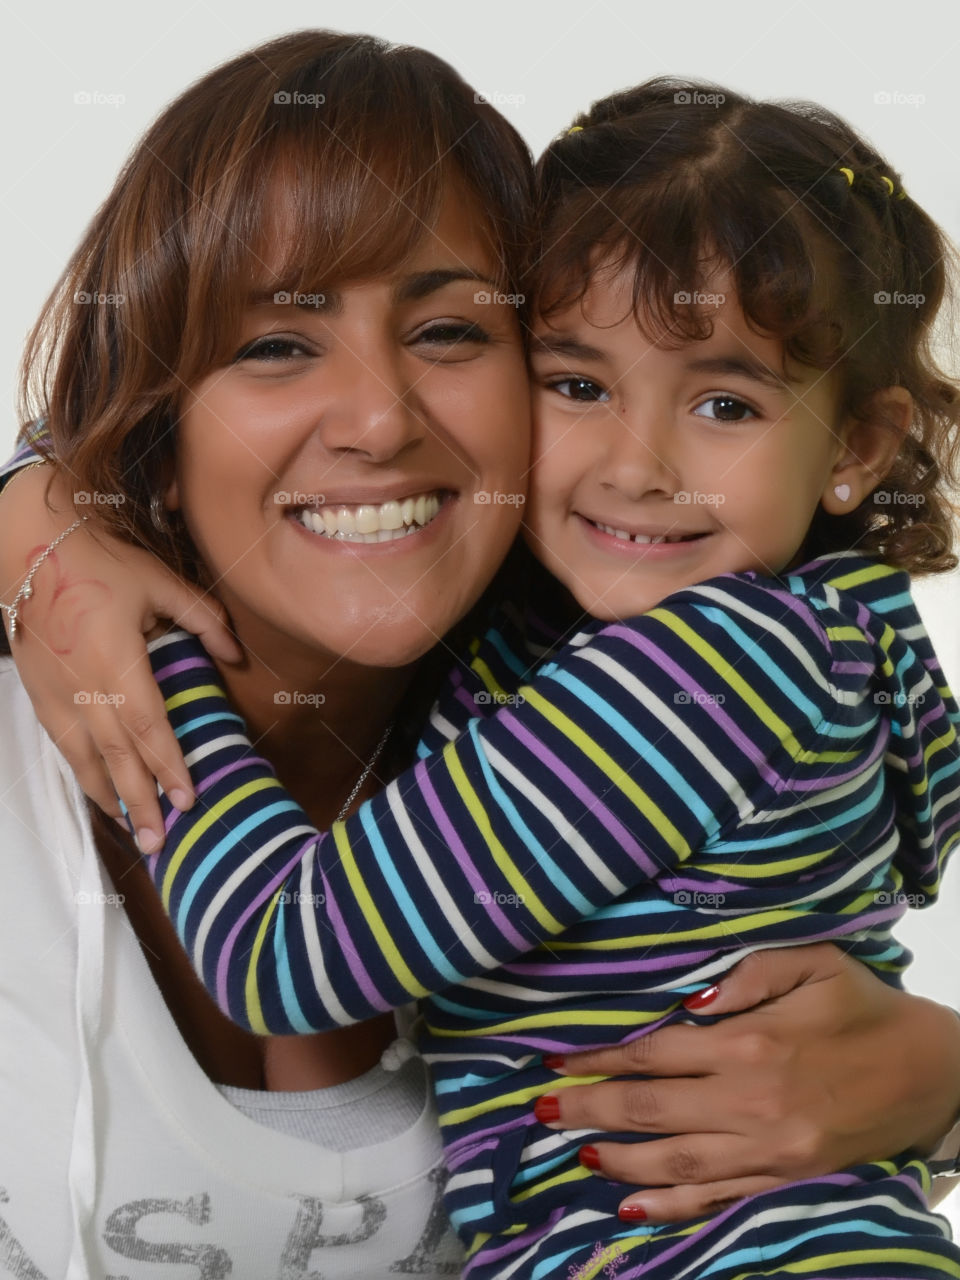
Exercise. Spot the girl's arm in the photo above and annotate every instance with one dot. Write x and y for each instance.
(591, 781)
(80, 646)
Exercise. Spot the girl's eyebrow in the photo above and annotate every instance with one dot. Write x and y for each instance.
(562, 344)
(739, 366)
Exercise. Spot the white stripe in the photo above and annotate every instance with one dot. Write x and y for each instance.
(210, 748)
(708, 762)
(565, 832)
(433, 879)
(310, 920)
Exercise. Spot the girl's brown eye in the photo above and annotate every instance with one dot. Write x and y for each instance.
(580, 389)
(725, 409)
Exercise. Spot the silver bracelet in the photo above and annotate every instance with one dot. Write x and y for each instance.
(26, 589)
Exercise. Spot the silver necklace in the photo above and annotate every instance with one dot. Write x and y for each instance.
(367, 769)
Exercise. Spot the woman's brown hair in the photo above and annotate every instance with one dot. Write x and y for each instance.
(678, 180)
(330, 150)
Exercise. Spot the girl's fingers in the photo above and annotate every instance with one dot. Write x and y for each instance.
(141, 710)
(77, 748)
(132, 780)
(198, 612)
(677, 1204)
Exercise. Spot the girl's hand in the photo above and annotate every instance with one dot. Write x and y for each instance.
(80, 649)
(829, 1068)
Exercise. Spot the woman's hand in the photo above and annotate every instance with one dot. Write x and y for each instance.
(80, 649)
(829, 1068)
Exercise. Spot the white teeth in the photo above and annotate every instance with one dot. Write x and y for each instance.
(368, 520)
(641, 538)
(367, 523)
(391, 517)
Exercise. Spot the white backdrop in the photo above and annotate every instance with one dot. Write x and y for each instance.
(79, 83)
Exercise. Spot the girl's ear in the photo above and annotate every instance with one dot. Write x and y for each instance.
(867, 450)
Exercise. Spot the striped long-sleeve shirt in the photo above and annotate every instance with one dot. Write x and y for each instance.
(754, 762)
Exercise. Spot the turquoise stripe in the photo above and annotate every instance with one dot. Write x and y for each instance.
(684, 795)
(748, 646)
(215, 717)
(406, 904)
(799, 835)
(500, 803)
(508, 656)
(469, 1213)
(221, 849)
(740, 1257)
(288, 996)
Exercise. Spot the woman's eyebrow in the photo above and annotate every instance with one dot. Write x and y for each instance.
(413, 288)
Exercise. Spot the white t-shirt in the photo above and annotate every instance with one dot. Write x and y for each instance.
(118, 1157)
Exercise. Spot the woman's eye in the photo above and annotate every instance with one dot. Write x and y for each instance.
(581, 389)
(450, 334)
(273, 349)
(724, 409)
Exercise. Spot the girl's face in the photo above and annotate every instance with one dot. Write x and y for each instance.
(711, 442)
(335, 476)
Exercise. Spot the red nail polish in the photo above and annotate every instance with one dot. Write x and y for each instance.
(632, 1213)
(554, 1061)
(700, 998)
(589, 1157)
(547, 1108)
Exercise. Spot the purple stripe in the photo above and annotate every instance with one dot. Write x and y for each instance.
(466, 863)
(737, 735)
(515, 1244)
(223, 960)
(349, 950)
(453, 1163)
(494, 1130)
(591, 801)
(183, 664)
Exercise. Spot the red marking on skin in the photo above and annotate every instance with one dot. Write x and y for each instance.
(60, 614)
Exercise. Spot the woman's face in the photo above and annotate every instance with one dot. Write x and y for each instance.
(340, 475)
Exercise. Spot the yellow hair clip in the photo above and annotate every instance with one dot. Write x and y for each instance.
(888, 183)
(848, 174)
(577, 128)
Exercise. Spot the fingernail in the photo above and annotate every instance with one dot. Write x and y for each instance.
(554, 1061)
(147, 840)
(547, 1108)
(632, 1213)
(700, 998)
(589, 1157)
(180, 799)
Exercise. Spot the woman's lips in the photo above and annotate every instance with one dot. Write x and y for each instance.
(365, 522)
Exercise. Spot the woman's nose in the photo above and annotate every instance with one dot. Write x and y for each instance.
(374, 410)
